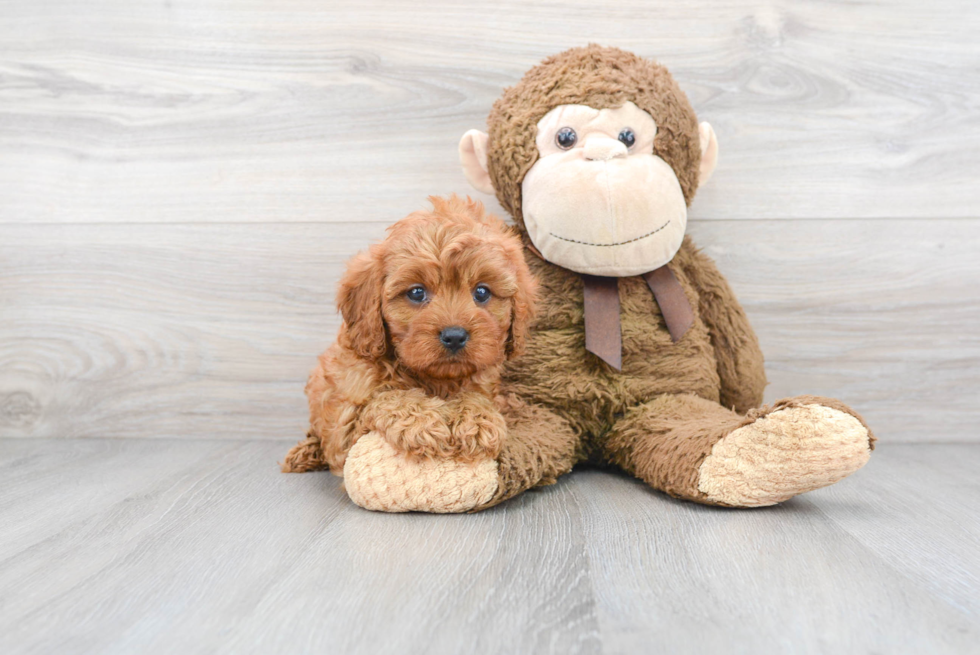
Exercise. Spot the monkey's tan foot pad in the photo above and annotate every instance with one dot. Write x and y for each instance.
(783, 454)
(379, 478)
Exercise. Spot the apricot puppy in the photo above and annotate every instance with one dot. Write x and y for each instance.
(430, 315)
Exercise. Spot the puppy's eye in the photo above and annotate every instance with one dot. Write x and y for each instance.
(627, 137)
(566, 138)
(481, 294)
(417, 294)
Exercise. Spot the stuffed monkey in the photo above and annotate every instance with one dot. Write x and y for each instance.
(640, 356)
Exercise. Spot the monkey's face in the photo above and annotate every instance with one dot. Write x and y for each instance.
(598, 200)
(596, 153)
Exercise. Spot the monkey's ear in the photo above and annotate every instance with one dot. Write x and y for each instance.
(359, 301)
(473, 157)
(709, 153)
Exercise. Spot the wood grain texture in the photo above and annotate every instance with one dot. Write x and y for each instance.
(205, 547)
(303, 110)
(122, 546)
(210, 330)
(931, 537)
(803, 577)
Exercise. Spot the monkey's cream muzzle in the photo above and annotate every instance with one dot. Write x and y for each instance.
(600, 207)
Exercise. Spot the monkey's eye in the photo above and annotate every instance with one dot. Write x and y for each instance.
(627, 137)
(417, 294)
(481, 294)
(566, 138)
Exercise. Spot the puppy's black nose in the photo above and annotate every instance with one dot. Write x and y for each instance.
(454, 338)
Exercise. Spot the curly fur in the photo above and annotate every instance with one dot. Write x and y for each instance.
(388, 372)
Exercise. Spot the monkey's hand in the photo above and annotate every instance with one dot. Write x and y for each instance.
(477, 428)
(379, 478)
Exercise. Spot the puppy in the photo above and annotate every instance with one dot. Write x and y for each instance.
(430, 315)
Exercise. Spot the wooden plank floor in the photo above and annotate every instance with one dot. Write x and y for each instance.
(163, 546)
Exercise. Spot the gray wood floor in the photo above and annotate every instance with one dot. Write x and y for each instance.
(167, 546)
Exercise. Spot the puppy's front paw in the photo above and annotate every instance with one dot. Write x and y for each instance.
(412, 423)
(379, 478)
(478, 429)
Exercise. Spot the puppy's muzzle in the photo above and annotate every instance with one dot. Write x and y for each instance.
(454, 338)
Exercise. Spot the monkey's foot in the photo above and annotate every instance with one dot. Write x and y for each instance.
(785, 453)
(379, 478)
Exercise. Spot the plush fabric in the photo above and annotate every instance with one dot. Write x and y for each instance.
(683, 416)
(567, 205)
(785, 453)
(380, 478)
(660, 418)
(599, 78)
(606, 409)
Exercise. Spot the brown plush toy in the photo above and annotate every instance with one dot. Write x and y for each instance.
(640, 356)
(596, 154)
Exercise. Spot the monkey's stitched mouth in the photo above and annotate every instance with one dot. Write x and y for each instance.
(606, 245)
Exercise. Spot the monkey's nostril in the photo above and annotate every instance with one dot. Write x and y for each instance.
(454, 338)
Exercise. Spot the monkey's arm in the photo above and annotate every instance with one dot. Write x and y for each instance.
(387, 468)
(740, 361)
(540, 446)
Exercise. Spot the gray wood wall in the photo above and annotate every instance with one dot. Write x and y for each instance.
(181, 183)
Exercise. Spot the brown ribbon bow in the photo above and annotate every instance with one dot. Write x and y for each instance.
(603, 335)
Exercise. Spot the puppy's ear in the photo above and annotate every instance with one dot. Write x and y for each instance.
(523, 302)
(359, 301)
